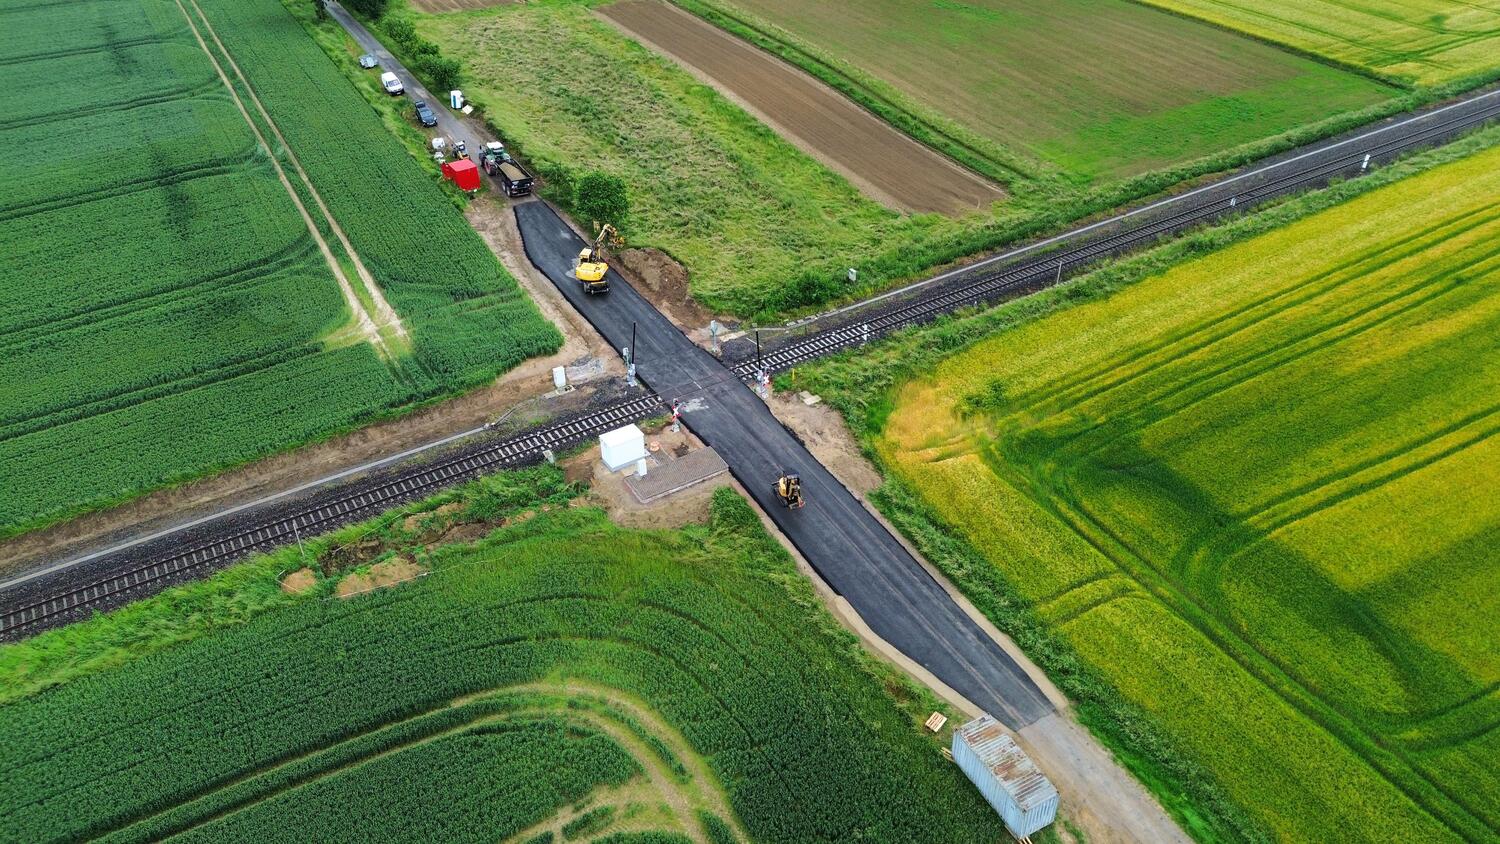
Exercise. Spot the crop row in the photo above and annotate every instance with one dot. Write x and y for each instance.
(225, 329)
(160, 240)
(698, 624)
(184, 434)
(1259, 448)
(469, 318)
(148, 145)
(484, 784)
(1424, 42)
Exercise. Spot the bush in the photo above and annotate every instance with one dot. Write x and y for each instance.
(601, 198)
(371, 9)
(440, 73)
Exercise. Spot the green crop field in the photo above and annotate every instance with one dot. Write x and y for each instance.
(1424, 42)
(170, 311)
(763, 229)
(559, 679)
(1095, 89)
(742, 208)
(1251, 493)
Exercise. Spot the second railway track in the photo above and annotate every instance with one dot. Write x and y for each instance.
(58, 598)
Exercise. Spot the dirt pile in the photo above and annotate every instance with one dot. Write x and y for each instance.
(299, 581)
(664, 282)
(380, 575)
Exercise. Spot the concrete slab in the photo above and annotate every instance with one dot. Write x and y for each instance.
(670, 476)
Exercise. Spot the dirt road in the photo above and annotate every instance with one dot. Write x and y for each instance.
(886, 165)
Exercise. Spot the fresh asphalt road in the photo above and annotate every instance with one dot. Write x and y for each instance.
(849, 547)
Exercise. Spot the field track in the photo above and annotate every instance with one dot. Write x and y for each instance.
(370, 326)
(885, 164)
(65, 592)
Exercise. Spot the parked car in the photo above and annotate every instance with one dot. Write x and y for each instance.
(391, 84)
(426, 116)
(368, 61)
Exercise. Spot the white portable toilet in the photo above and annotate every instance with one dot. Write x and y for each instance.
(622, 447)
(456, 98)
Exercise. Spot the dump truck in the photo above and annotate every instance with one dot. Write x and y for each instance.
(514, 179)
(512, 176)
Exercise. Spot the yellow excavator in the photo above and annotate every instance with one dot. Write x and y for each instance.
(592, 269)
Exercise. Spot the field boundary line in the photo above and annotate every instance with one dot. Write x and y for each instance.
(362, 318)
(387, 314)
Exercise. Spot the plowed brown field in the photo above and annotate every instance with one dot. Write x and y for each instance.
(886, 165)
(437, 6)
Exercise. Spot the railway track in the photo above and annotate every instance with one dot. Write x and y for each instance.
(986, 286)
(245, 536)
(59, 599)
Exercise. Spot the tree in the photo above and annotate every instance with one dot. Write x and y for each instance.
(601, 198)
(441, 73)
(371, 9)
(400, 30)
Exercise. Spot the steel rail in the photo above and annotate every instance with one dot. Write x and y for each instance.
(1040, 270)
(967, 289)
(415, 483)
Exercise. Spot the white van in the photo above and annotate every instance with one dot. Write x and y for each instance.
(391, 84)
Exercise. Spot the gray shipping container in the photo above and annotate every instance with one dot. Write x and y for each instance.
(1005, 775)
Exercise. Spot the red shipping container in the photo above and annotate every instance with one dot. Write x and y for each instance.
(463, 173)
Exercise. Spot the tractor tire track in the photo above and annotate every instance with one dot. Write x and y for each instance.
(366, 325)
(386, 315)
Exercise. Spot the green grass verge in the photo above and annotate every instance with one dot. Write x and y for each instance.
(773, 696)
(1151, 743)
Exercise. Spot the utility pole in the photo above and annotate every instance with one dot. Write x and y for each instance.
(300, 549)
(762, 380)
(630, 358)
